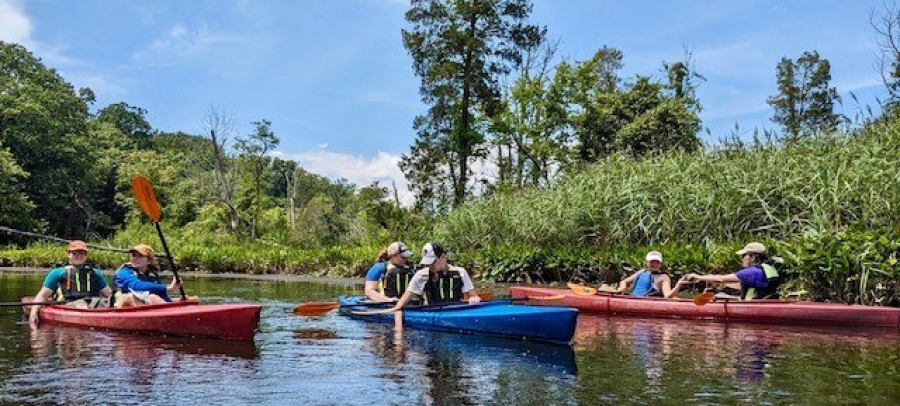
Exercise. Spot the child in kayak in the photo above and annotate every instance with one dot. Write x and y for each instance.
(756, 279)
(139, 280)
(650, 281)
(78, 283)
(388, 278)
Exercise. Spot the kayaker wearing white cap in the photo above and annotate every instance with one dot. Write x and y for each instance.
(76, 281)
(757, 279)
(389, 277)
(650, 281)
(439, 282)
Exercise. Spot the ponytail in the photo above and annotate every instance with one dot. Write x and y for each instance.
(382, 256)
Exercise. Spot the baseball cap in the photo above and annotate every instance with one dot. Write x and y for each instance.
(654, 256)
(399, 248)
(77, 245)
(143, 249)
(753, 248)
(431, 252)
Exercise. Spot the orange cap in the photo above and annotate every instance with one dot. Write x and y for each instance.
(143, 249)
(77, 245)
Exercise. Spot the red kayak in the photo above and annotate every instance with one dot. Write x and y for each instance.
(758, 311)
(191, 319)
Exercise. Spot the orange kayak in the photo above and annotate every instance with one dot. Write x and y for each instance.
(758, 311)
(190, 318)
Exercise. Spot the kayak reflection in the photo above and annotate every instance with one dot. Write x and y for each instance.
(473, 369)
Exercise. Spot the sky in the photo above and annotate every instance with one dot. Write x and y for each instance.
(338, 86)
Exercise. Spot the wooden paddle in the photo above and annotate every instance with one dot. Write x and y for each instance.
(320, 308)
(143, 192)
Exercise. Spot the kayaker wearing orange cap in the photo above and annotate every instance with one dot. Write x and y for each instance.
(78, 283)
(757, 279)
(139, 280)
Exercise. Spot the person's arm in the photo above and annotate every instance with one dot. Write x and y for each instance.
(713, 278)
(43, 295)
(127, 281)
(468, 287)
(416, 287)
(374, 295)
(666, 285)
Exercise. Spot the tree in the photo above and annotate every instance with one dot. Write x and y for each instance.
(15, 208)
(887, 32)
(130, 120)
(459, 49)
(220, 127)
(804, 104)
(253, 151)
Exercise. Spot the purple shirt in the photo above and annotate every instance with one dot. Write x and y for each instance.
(753, 276)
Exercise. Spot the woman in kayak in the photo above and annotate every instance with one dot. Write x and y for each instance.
(78, 283)
(756, 279)
(439, 282)
(388, 278)
(139, 280)
(650, 281)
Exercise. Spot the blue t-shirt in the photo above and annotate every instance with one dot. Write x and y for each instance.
(59, 275)
(753, 276)
(376, 271)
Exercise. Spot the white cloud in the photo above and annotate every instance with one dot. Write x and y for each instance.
(181, 39)
(359, 170)
(15, 26)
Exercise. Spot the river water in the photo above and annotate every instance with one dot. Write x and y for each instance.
(333, 360)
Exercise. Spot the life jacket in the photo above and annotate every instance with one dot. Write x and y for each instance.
(447, 287)
(769, 291)
(395, 280)
(645, 284)
(80, 283)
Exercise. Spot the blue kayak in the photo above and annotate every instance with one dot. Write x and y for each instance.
(498, 318)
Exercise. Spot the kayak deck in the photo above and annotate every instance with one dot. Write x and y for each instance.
(191, 319)
(757, 311)
(497, 318)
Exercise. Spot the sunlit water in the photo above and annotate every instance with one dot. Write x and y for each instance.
(332, 360)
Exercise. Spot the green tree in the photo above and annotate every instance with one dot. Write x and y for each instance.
(459, 50)
(804, 104)
(252, 150)
(15, 208)
(130, 120)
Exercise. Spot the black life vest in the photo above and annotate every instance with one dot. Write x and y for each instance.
(80, 283)
(445, 287)
(395, 280)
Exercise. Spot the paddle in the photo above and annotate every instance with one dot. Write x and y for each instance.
(143, 192)
(704, 298)
(14, 304)
(320, 308)
(394, 309)
(581, 289)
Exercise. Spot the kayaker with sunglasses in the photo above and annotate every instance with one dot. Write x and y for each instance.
(388, 278)
(78, 283)
(139, 280)
(756, 279)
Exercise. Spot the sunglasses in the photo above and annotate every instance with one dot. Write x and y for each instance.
(78, 252)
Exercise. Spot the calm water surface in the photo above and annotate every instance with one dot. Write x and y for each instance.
(332, 360)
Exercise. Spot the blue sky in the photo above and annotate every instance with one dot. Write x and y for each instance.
(337, 84)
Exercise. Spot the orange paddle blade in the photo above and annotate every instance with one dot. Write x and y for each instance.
(582, 290)
(143, 192)
(704, 298)
(316, 308)
(485, 295)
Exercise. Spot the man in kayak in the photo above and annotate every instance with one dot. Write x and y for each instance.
(78, 283)
(139, 280)
(756, 279)
(439, 282)
(650, 281)
(388, 278)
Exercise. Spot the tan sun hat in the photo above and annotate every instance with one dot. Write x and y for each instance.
(144, 250)
(753, 248)
(399, 248)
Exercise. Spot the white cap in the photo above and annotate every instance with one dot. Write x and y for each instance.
(654, 256)
(431, 252)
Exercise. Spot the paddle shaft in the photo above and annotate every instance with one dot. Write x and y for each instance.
(171, 261)
(14, 304)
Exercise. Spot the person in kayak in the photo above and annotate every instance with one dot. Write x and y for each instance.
(756, 279)
(78, 283)
(650, 281)
(439, 282)
(388, 278)
(139, 280)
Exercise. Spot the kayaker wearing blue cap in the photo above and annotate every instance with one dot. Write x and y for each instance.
(139, 280)
(388, 278)
(77, 282)
(757, 279)
(650, 281)
(439, 282)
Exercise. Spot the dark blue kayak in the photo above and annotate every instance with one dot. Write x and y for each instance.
(498, 318)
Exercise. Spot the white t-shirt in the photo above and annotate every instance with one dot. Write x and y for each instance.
(418, 281)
